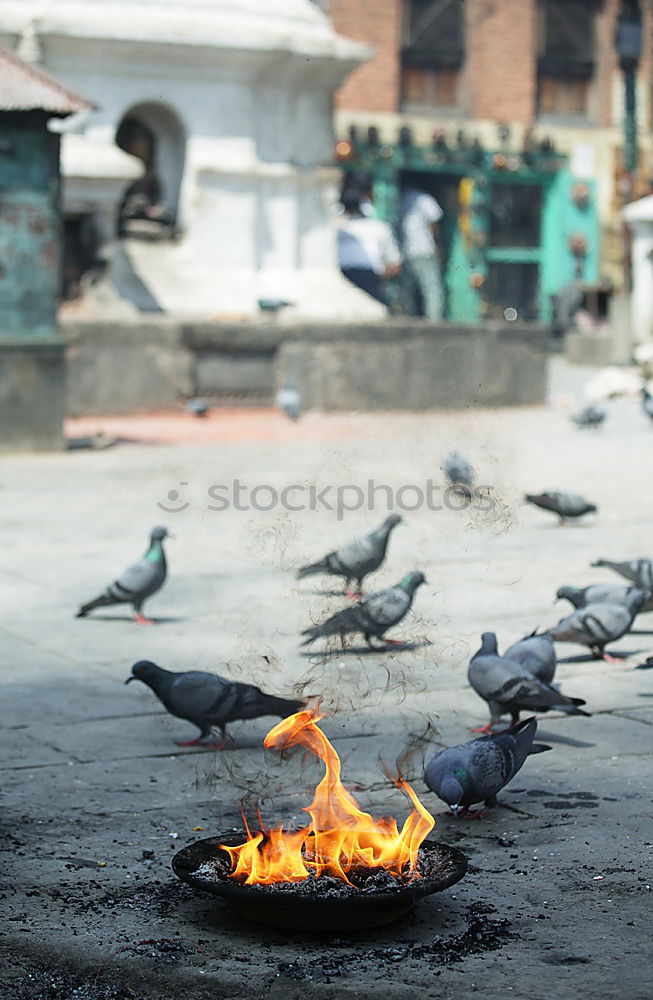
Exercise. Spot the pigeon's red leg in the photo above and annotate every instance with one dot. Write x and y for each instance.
(474, 814)
(188, 743)
(611, 659)
(141, 620)
(482, 729)
(218, 746)
(353, 595)
(394, 642)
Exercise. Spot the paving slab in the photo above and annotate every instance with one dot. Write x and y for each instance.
(97, 798)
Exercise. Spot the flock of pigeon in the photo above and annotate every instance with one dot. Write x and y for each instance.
(520, 679)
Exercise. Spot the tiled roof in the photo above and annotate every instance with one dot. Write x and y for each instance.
(26, 88)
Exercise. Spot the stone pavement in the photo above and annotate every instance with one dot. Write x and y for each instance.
(96, 798)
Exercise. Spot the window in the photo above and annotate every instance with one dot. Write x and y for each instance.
(515, 211)
(566, 56)
(432, 53)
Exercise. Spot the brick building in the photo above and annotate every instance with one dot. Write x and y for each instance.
(548, 69)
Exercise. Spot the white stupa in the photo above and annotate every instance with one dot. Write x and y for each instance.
(223, 110)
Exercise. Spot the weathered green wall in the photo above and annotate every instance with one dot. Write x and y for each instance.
(30, 261)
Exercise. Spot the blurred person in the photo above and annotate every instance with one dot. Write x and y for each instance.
(419, 229)
(367, 250)
(360, 181)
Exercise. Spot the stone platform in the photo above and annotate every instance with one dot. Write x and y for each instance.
(32, 394)
(400, 364)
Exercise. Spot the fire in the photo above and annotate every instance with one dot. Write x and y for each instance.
(340, 836)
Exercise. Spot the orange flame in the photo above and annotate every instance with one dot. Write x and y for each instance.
(340, 836)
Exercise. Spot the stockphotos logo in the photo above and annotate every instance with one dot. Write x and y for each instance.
(300, 497)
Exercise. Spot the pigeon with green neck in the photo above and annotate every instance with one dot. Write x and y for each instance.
(373, 615)
(476, 771)
(139, 581)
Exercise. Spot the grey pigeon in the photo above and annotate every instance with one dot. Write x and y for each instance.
(198, 407)
(535, 653)
(508, 687)
(602, 593)
(357, 559)
(590, 416)
(565, 505)
(478, 770)
(459, 473)
(647, 402)
(289, 400)
(373, 615)
(596, 625)
(273, 306)
(640, 571)
(138, 582)
(208, 700)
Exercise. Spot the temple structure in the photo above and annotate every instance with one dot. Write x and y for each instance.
(200, 183)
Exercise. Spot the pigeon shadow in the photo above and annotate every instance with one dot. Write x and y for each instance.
(621, 654)
(131, 620)
(323, 593)
(233, 745)
(569, 741)
(366, 650)
(641, 631)
(582, 658)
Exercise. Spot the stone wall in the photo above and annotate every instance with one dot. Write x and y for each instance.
(156, 364)
(32, 394)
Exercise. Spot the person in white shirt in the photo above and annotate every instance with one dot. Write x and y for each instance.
(419, 217)
(367, 250)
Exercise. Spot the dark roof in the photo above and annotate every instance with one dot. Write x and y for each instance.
(26, 88)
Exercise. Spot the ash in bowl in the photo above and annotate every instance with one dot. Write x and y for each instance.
(365, 881)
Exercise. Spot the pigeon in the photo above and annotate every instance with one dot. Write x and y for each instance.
(138, 582)
(476, 771)
(647, 402)
(459, 473)
(591, 416)
(198, 407)
(273, 306)
(373, 615)
(289, 400)
(640, 571)
(535, 653)
(508, 687)
(595, 625)
(602, 593)
(208, 700)
(356, 560)
(565, 505)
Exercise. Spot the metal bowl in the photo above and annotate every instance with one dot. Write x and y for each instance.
(441, 866)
